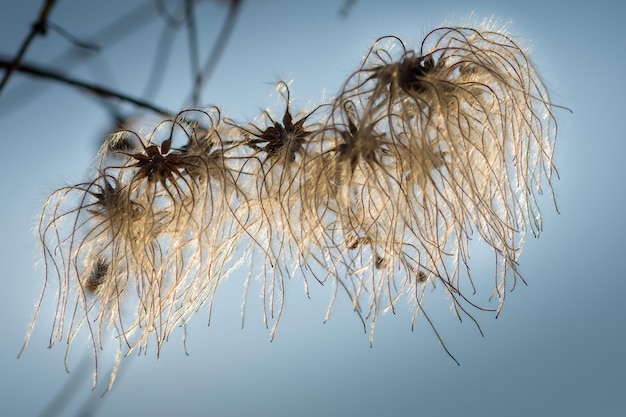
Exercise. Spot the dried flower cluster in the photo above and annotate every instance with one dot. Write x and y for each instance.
(376, 192)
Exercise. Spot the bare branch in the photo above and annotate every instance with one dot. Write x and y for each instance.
(38, 28)
(92, 88)
(219, 46)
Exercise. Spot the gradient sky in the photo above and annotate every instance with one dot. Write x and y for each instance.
(558, 347)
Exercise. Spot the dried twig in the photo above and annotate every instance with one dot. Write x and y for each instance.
(38, 28)
(92, 88)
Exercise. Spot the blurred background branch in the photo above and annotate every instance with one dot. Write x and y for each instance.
(39, 28)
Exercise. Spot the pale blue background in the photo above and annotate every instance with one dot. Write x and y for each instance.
(558, 348)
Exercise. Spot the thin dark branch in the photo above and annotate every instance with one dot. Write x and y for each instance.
(168, 17)
(117, 31)
(38, 28)
(192, 32)
(68, 391)
(73, 39)
(346, 8)
(220, 45)
(159, 61)
(92, 88)
(109, 35)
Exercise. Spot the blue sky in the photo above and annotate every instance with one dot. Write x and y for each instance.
(557, 348)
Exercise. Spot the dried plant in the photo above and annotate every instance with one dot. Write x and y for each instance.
(377, 192)
(445, 142)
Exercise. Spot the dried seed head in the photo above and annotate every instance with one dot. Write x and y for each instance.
(419, 152)
(97, 276)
